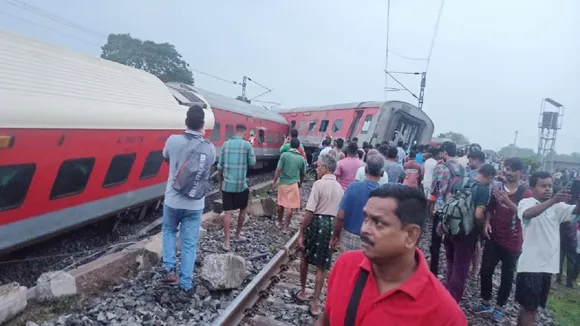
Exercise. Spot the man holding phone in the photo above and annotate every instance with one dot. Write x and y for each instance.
(541, 217)
(503, 235)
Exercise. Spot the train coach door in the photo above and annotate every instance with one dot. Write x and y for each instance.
(354, 124)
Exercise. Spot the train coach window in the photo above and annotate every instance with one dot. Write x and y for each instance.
(72, 178)
(323, 125)
(215, 133)
(277, 137)
(367, 124)
(337, 125)
(119, 169)
(152, 165)
(301, 125)
(14, 183)
(292, 124)
(270, 137)
(311, 125)
(261, 136)
(229, 131)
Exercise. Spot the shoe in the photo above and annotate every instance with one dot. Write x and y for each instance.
(170, 277)
(481, 309)
(497, 315)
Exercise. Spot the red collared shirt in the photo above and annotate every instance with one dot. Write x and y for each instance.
(421, 300)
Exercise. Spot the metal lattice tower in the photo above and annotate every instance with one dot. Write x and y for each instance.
(548, 126)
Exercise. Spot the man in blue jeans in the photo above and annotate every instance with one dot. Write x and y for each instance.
(179, 210)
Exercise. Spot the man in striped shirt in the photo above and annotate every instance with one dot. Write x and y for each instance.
(236, 156)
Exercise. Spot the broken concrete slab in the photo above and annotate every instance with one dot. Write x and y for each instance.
(110, 269)
(223, 271)
(105, 271)
(262, 207)
(260, 188)
(55, 284)
(12, 301)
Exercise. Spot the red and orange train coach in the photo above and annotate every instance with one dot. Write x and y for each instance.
(80, 138)
(374, 122)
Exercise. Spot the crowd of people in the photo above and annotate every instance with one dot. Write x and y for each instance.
(371, 205)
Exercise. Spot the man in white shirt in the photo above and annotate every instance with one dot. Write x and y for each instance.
(430, 161)
(361, 173)
(541, 216)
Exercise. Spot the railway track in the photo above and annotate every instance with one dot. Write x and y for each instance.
(268, 299)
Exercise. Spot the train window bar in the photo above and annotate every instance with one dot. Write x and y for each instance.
(216, 133)
(152, 165)
(119, 169)
(337, 125)
(72, 177)
(367, 124)
(15, 181)
(311, 125)
(229, 131)
(270, 137)
(323, 125)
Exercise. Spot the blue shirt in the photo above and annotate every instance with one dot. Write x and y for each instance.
(419, 158)
(353, 201)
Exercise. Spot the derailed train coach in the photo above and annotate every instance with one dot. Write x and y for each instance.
(374, 122)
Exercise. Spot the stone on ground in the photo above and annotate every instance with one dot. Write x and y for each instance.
(12, 301)
(262, 207)
(52, 285)
(223, 271)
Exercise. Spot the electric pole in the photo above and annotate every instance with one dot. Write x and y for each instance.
(422, 91)
(514, 144)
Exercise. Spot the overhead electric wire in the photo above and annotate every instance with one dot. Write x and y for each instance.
(398, 82)
(436, 29)
(406, 57)
(49, 28)
(54, 17)
(387, 48)
(216, 77)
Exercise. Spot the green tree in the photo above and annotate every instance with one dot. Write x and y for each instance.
(532, 162)
(456, 137)
(159, 59)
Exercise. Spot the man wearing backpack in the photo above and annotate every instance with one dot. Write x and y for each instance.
(503, 230)
(190, 157)
(465, 205)
(440, 188)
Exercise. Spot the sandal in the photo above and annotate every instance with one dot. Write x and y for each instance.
(313, 314)
(297, 299)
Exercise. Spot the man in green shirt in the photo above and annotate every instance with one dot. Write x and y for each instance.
(288, 179)
(286, 146)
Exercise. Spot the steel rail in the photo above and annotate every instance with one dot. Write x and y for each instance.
(236, 310)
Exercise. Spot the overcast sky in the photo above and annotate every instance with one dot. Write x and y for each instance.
(492, 63)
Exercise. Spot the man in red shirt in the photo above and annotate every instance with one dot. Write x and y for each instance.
(389, 282)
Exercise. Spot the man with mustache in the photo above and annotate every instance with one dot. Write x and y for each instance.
(388, 281)
(541, 217)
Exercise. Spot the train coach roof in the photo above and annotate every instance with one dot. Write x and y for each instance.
(343, 106)
(46, 86)
(407, 107)
(232, 105)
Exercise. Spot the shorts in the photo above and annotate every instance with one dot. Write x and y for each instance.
(235, 200)
(532, 290)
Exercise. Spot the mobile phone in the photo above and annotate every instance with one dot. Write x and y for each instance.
(575, 191)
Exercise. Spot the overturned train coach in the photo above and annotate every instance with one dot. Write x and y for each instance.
(374, 122)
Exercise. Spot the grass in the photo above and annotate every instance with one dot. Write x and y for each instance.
(564, 304)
